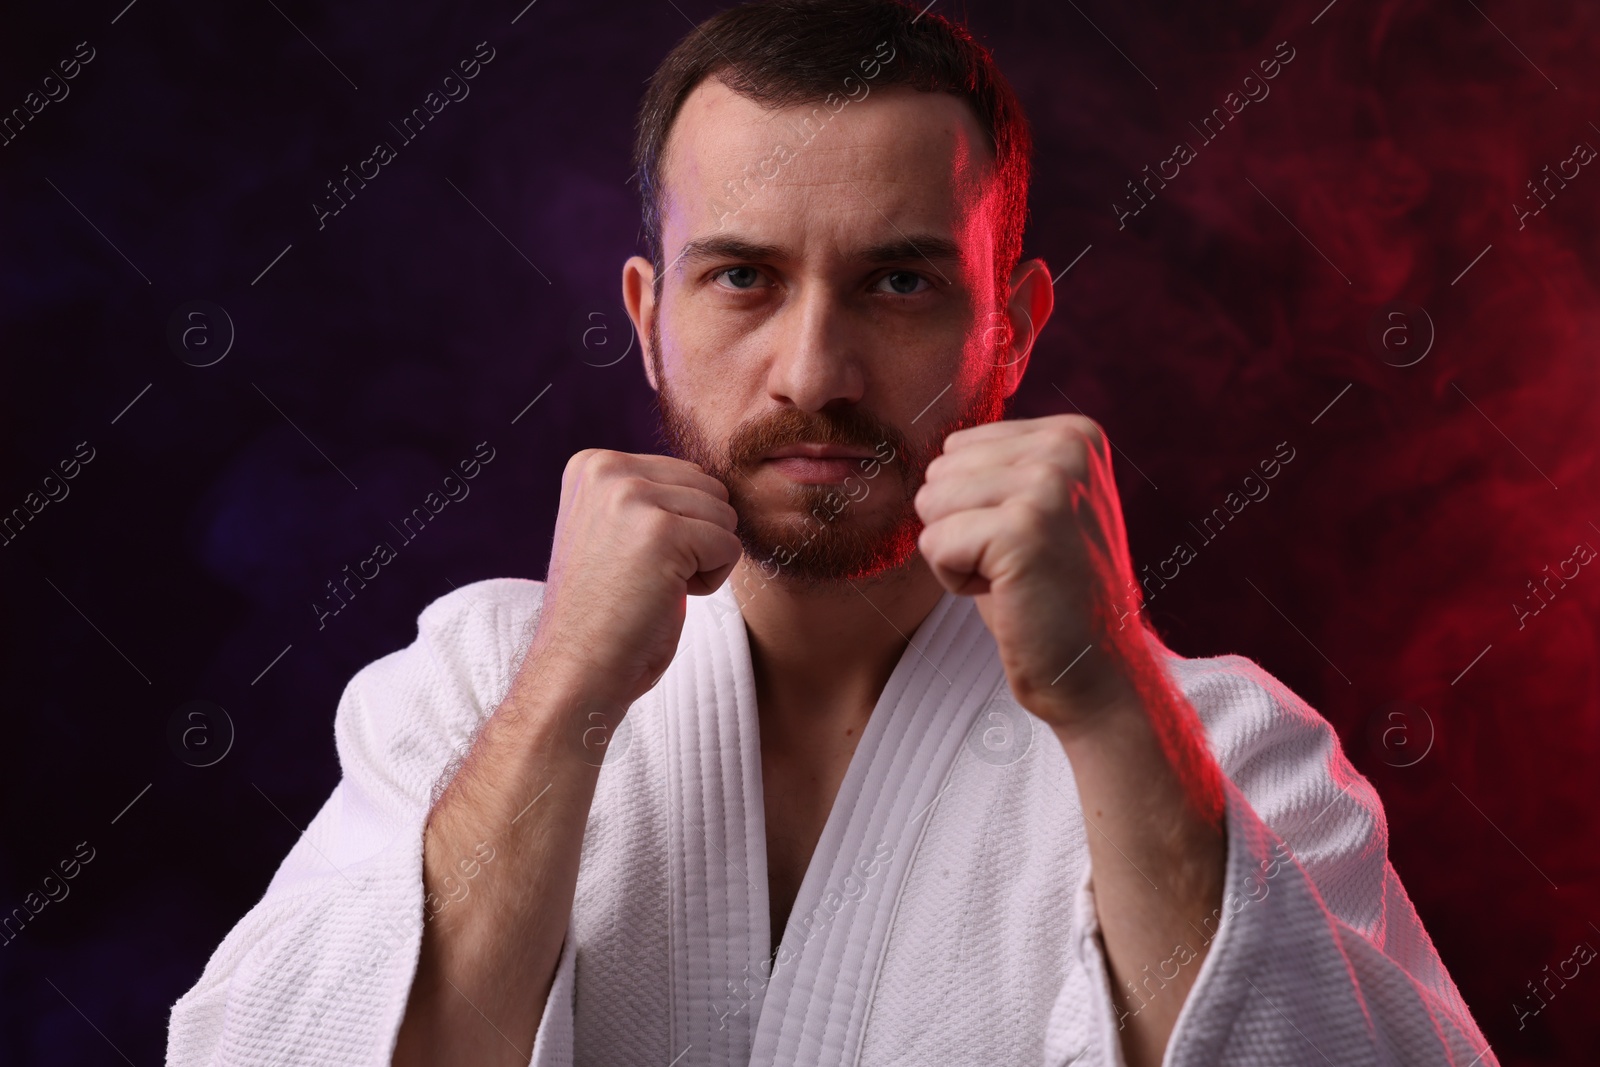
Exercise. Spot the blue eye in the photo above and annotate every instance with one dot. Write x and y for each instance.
(751, 272)
(899, 278)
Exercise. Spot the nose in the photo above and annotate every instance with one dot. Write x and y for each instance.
(816, 358)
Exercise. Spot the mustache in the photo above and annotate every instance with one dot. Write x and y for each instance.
(846, 427)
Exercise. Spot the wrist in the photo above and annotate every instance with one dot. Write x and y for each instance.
(1109, 683)
(559, 705)
(569, 679)
(1151, 735)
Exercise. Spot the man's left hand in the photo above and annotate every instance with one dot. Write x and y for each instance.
(1023, 515)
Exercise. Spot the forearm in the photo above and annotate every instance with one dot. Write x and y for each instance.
(493, 929)
(1151, 793)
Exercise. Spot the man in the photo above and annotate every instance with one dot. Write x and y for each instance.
(836, 735)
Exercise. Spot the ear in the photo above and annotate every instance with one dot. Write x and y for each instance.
(638, 296)
(1032, 300)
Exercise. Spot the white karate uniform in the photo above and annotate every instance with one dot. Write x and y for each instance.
(946, 917)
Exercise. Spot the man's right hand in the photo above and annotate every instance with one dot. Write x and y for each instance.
(634, 536)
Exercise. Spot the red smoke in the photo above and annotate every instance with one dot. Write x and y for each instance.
(1390, 162)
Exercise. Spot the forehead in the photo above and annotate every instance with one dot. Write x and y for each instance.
(820, 180)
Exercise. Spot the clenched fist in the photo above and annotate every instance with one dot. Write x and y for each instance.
(634, 536)
(1023, 515)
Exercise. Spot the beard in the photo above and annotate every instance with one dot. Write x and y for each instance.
(820, 535)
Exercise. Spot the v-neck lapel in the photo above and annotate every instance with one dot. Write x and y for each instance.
(717, 876)
(730, 1005)
(813, 1008)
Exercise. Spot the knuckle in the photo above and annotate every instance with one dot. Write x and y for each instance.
(628, 488)
(1067, 434)
(658, 524)
(575, 464)
(1046, 481)
(605, 462)
(1032, 522)
(1093, 432)
(593, 464)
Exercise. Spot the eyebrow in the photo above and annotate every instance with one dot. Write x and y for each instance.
(932, 247)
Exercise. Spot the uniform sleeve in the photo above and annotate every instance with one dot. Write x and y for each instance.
(1316, 954)
(320, 969)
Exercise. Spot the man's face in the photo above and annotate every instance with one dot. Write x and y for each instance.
(840, 293)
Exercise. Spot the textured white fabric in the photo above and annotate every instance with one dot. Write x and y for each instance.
(947, 916)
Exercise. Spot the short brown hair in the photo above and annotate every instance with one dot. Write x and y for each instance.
(782, 53)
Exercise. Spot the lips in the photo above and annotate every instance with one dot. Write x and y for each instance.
(807, 450)
(811, 463)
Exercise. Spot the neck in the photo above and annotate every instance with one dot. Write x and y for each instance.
(822, 655)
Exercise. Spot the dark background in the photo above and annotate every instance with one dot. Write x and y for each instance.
(481, 268)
